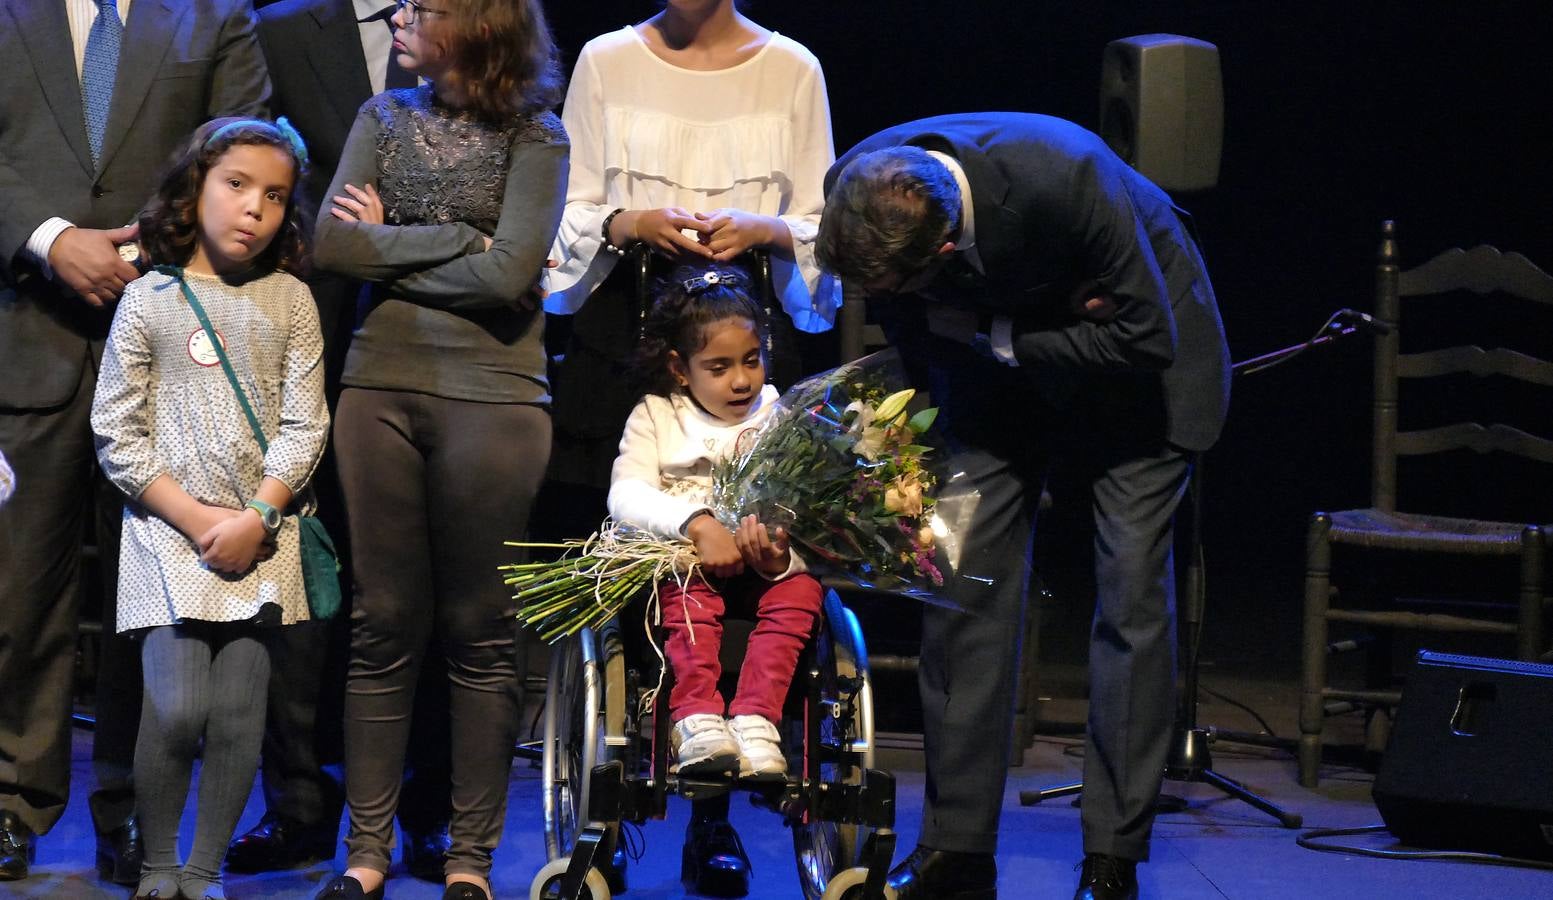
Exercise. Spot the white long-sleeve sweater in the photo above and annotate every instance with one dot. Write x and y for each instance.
(663, 474)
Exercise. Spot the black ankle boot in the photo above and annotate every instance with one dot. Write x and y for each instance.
(713, 863)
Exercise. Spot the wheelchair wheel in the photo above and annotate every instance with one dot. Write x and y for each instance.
(848, 885)
(584, 710)
(825, 850)
(547, 884)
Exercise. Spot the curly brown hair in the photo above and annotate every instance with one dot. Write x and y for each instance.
(169, 225)
(685, 303)
(505, 61)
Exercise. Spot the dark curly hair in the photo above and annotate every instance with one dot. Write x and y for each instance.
(504, 58)
(689, 299)
(169, 225)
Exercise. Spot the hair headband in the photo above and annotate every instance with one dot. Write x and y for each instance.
(711, 279)
(280, 126)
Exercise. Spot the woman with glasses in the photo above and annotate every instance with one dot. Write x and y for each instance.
(702, 135)
(447, 198)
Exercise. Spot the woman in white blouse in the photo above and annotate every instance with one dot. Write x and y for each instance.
(702, 135)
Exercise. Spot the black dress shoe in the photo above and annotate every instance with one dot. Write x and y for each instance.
(713, 862)
(119, 853)
(18, 847)
(929, 874)
(425, 854)
(344, 887)
(463, 890)
(276, 843)
(1104, 877)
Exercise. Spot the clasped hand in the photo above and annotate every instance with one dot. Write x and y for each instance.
(231, 540)
(720, 235)
(725, 553)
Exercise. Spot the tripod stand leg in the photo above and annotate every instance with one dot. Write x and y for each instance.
(1240, 792)
(1031, 798)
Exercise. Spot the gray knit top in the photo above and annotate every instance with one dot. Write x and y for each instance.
(448, 317)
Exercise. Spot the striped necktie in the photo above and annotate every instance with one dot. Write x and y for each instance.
(98, 69)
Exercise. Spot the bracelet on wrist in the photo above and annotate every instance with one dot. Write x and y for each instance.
(609, 244)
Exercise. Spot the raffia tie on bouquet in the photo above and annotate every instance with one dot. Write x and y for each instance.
(616, 562)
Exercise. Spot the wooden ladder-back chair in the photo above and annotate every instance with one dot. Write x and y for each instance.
(1491, 275)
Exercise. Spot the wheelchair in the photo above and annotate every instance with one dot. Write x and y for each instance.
(605, 761)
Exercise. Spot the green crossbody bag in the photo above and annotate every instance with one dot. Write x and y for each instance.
(320, 562)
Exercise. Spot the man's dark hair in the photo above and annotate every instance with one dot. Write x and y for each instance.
(887, 215)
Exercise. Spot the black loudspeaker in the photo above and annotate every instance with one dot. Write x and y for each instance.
(1162, 108)
(1470, 761)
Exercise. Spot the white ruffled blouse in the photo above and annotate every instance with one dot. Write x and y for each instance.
(647, 134)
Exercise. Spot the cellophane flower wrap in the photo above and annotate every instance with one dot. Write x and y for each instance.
(842, 464)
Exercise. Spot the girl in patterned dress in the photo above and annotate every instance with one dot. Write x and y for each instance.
(447, 197)
(208, 563)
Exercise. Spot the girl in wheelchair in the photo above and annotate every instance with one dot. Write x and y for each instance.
(701, 361)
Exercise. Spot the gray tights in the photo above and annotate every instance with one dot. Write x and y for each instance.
(203, 680)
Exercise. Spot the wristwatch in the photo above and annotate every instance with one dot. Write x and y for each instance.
(268, 515)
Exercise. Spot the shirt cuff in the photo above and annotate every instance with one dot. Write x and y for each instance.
(1001, 337)
(42, 241)
(684, 527)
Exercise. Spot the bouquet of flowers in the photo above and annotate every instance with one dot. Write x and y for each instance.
(840, 464)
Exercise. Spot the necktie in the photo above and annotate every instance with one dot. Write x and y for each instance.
(98, 69)
(397, 77)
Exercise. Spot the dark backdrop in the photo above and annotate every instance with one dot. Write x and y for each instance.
(1337, 115)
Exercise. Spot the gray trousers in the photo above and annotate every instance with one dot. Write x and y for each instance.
(970, 661)
(432, 489)
(58, 486)
(1001, 429)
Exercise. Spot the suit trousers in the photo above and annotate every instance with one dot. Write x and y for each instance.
(58, 485)
(969, 660)
(433, 487)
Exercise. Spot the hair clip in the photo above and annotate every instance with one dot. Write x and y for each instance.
(298, 146)
(709, 280)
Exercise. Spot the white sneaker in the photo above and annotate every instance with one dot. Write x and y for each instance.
(703, 748)
(760, 747)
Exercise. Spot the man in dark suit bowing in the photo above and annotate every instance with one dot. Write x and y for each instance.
(1050, 299)
(97, 96)
(326, 58)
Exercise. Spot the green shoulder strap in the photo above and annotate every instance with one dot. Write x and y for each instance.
(215, 341)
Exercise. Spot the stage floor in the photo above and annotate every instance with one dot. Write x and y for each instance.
(1217, 847)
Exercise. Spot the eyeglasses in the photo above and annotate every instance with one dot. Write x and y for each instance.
(413, 11)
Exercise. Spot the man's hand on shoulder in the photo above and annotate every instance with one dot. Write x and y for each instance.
(87, 261)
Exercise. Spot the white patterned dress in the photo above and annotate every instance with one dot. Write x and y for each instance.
(164, 406)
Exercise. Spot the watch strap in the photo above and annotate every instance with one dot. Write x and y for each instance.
(267, 514)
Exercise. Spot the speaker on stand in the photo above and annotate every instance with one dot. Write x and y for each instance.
(1162, 112)
(1162, 108)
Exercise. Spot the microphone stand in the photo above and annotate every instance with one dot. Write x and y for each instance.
(1190, 759)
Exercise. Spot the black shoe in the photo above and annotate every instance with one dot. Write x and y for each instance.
(277, 843)
(425, 854)
(1104, 877)
(713, 862)
(344, 887)
(463, 890)
(18, 847)
(119, 853)
(614, 871)
(929, 874)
